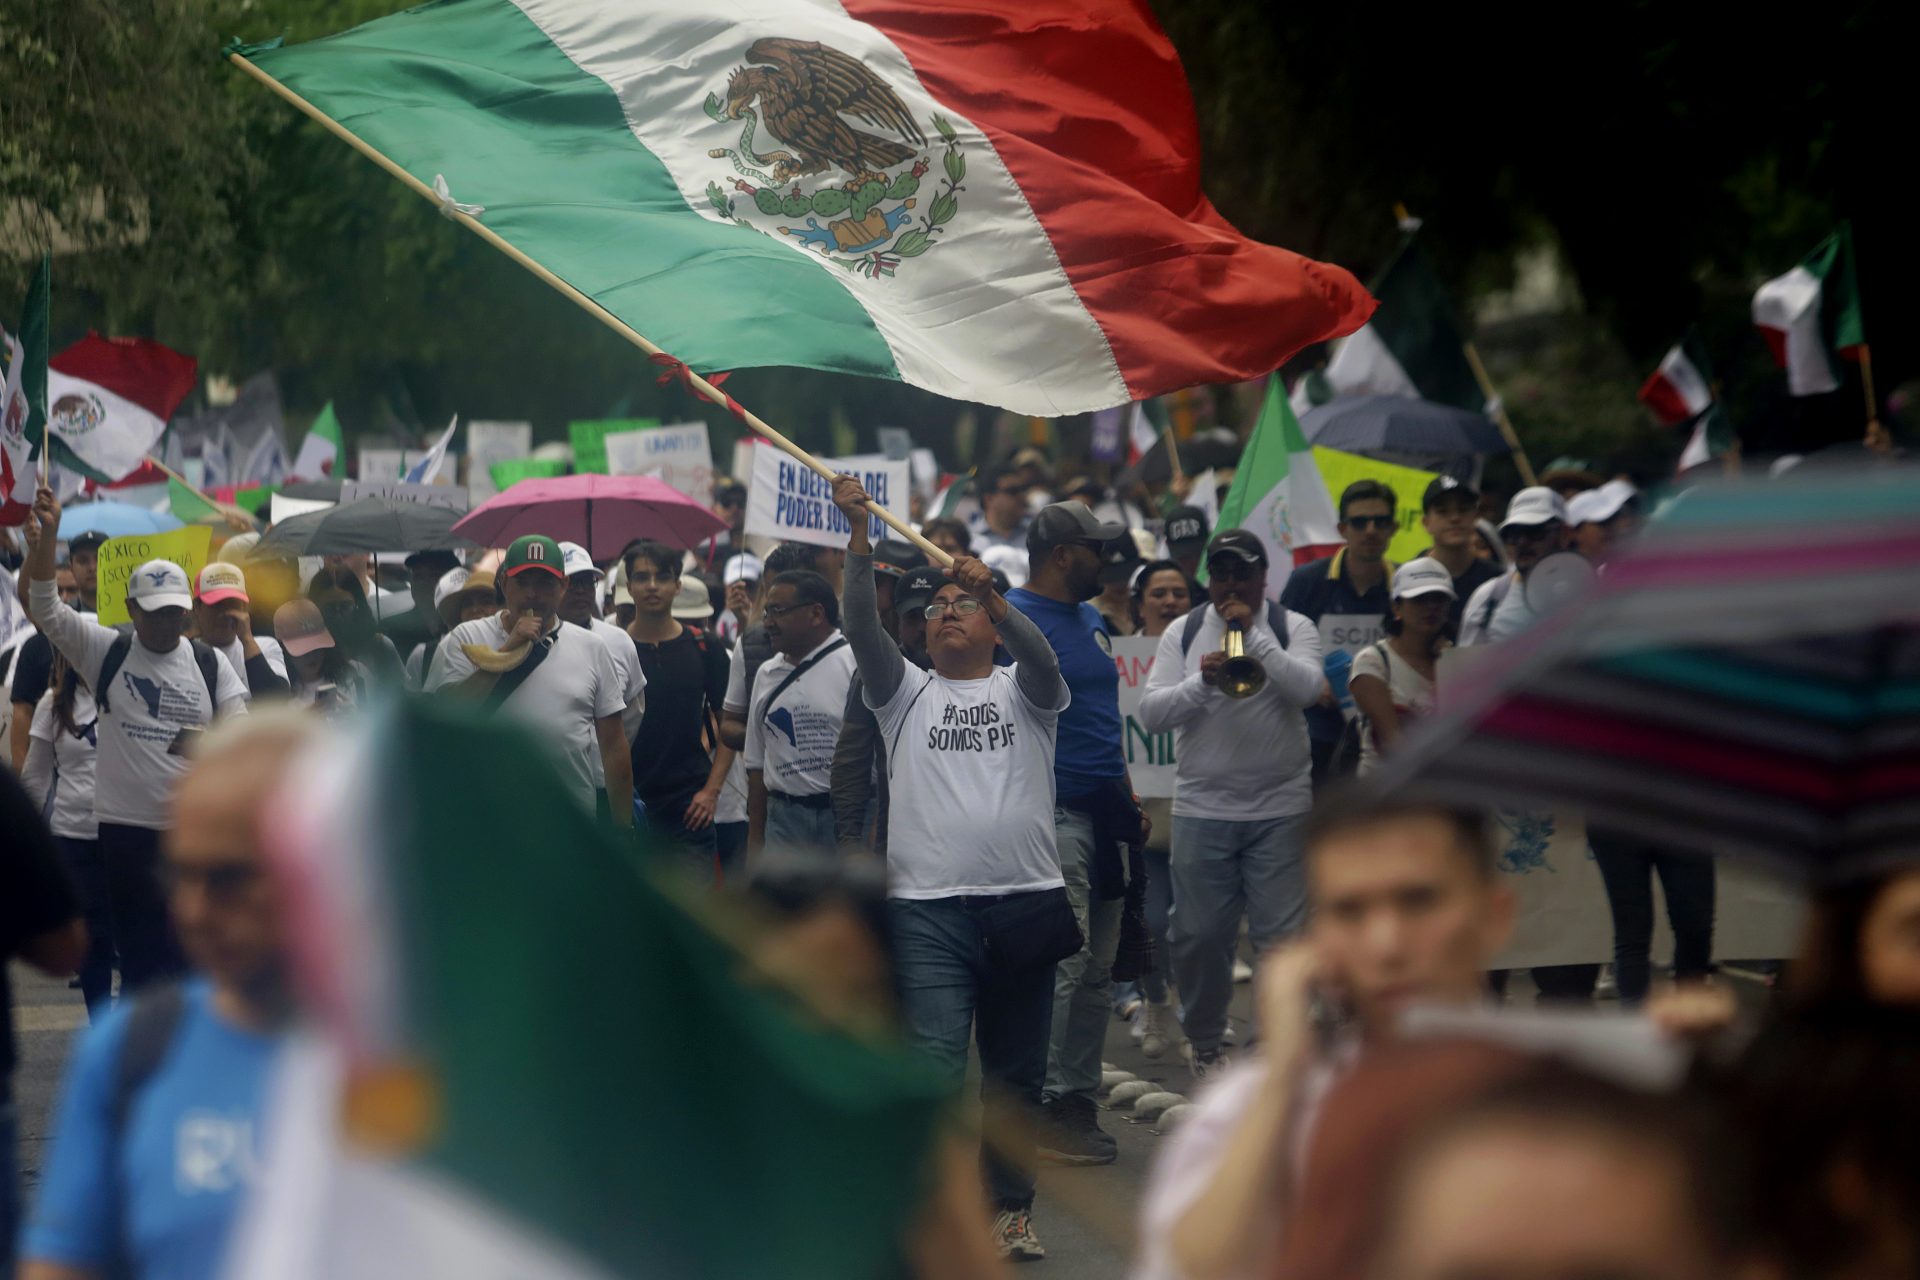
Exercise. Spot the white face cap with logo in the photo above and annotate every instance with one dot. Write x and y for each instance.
(1423, 577)
(160, 584)
(574, 559)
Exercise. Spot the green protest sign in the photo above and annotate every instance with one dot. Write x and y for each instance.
(590, 440)
(510, 472)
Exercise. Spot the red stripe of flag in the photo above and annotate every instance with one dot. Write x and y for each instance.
(138, 370)
(1087, 105)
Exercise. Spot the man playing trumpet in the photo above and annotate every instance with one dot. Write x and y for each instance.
(558, 678)
(1243, 778)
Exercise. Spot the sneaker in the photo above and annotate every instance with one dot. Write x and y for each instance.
(1204, 1066)
(1242, 971)
(1013, 1236)
(1154, 1040)
(1070, 1133)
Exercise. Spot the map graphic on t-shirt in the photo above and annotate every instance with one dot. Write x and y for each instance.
(149, 692)
(782, 719)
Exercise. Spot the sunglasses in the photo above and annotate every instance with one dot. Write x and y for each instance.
(1363, 523)
(965, 607)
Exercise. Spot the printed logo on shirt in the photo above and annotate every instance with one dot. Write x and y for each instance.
(164, 702)
(1104, 641)
(213, 1153)
(782, 719)
(978, 728)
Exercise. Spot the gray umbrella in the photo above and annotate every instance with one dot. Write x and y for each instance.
(1400, 424)
(371, 524)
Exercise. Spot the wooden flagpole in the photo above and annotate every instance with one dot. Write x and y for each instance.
(706, 390)
(1500, 414)
(234, 516)
(1866, 385)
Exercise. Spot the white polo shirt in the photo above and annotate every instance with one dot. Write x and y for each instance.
(576, 684)
(791, 741)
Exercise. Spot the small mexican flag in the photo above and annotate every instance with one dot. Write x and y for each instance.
(948, 500)
(108, 400)
(533, 1060)
(1277, 491)
(1413, 345)
(1713, 437)
(1811, 315)
(189, 506)
(23, 400)
(1682, 387)
(320, 452)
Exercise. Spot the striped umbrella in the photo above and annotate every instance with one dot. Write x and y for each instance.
(1746, 681)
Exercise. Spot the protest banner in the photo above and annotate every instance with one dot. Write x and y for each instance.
(119, 557)
(510, 471)
(589, 439)
(451, 496)
(381, 464)
(1150, 757)
(677, 453)
(792, 503)
(281, 507)
(1339, 469)
(489, 442)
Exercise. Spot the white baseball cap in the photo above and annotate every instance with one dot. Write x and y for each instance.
(1535, 506)
(1423, 577)
(450, 581)
(745, 567)
(1597, 506)
(160, 584)
(574, 559)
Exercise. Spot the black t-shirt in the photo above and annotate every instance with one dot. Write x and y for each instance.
(1479, 573)
(35, 894)
(686, 677)
(32, 669)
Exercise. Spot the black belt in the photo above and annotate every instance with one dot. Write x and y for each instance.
(818, 800)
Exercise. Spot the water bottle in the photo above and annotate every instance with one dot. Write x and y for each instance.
(1339, 668)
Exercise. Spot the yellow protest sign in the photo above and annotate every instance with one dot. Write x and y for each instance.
(119, 557)
(1409, 484)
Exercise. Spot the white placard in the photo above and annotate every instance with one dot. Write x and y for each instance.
(489, 442)
(1149, 755)
(926, 472)
(381, 464)
(788, 501)
(743, 448)
(284, 508)
(678, 454)
(451, 496)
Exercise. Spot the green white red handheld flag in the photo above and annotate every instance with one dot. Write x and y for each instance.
(319, 455)
(1682, 387)
(1811, 316)
(108, 400)
(1000, 203)
(23, 400)
(1277, 492)
(1413, 346)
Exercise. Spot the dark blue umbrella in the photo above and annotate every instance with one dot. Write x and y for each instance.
(1400, 424)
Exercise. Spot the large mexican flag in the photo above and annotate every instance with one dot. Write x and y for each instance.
(532, 1061)
(999, 203)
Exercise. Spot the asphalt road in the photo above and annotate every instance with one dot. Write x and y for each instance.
(1083, 1216)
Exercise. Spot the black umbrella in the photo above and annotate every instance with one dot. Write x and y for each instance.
(371, 524)
(1400, 424)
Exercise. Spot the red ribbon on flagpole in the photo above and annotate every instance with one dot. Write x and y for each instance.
(676, 370)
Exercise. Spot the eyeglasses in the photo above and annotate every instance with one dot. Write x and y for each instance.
(1363, 523)
(964, 607)
(782, 610)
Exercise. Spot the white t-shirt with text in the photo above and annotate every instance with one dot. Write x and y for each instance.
(791, 741)
(970, 772)
(75, 759)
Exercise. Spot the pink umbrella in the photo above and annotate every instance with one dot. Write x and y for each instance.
(601, 513)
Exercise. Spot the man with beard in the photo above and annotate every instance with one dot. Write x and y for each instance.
(1094, 815)
(1535, 527)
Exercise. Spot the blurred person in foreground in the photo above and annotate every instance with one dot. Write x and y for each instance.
(1558, 1176)
(1242, 786)
(565, 684)
(156, 691)
(1407, 907)
(156, 1140)
(39, 924)
(976, 901)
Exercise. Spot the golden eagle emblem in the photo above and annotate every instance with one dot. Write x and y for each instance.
(803, 95)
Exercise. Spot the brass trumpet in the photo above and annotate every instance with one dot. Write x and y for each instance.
(1240, 676)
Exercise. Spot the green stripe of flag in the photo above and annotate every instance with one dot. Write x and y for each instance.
(476, 91)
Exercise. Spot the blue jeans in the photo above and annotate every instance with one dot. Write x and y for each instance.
(1221, 869)
(801, 828)
(948, 996)
(88, 867)
(1080, 982)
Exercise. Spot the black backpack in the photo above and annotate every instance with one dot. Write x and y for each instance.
(204, 657)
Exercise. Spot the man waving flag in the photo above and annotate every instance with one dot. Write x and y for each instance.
(997, 202)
